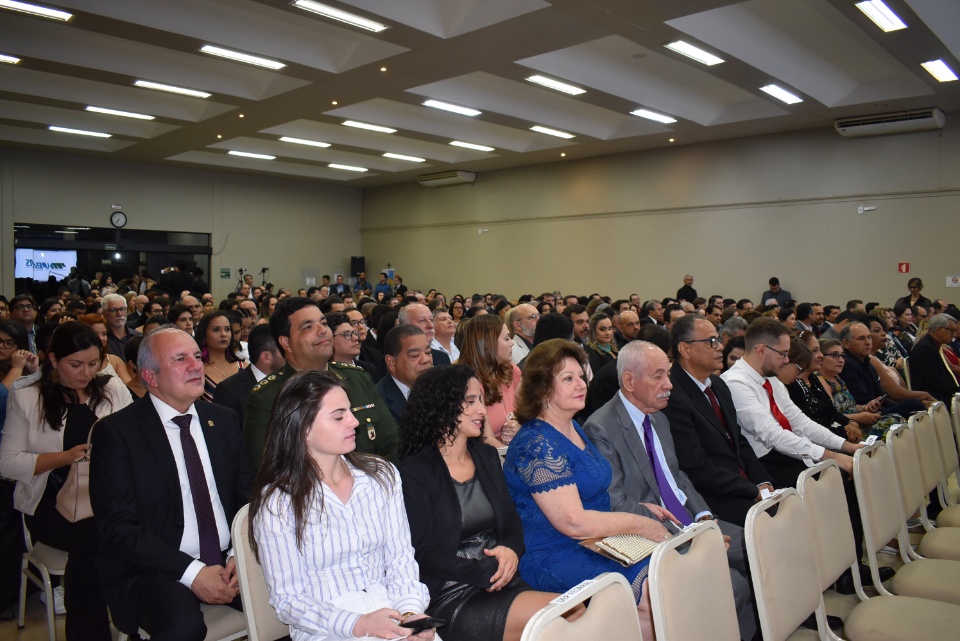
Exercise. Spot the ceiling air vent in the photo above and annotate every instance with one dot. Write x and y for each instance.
(444, 178)
(893, 123)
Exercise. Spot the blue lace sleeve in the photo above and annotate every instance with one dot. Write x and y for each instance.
(541, 465)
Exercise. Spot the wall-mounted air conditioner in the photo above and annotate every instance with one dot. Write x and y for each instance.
(893, 123)
(444, 178)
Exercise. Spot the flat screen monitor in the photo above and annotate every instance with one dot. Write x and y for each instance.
(40, 264)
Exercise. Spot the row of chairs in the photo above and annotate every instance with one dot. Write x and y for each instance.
(798, 544)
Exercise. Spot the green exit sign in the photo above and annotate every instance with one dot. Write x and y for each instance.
(224, 272)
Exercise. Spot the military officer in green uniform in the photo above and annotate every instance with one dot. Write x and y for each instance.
(307, 343)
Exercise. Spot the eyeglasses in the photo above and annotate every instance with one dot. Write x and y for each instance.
(836, 355)
(783, 355)
(358, 323)
(713, 341)
(24, 307)
(116, 310)
(8, 343)
(348, 335)
(531, 316)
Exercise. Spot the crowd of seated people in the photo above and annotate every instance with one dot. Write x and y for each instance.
(312, 398)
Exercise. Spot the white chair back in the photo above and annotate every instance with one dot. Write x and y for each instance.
(262, 622)
(612, 614)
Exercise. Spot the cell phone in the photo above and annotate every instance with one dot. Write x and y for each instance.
(427, 623)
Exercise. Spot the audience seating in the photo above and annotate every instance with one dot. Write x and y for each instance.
(262, 622)
(906, 372)
(883, 521)
(931, 467)
(697, 580)
(48, 561)
(223, 624)
(955, 410)
(949, 457)
(883, 617)
(612, 613)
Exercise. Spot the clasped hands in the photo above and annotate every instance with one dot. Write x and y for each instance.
(217, 584)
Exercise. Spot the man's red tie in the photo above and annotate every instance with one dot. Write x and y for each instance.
(777, 414)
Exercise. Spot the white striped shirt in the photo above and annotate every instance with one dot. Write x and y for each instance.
(347, 548)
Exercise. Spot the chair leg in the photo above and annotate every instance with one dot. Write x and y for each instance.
(51, 615)
(23, 593)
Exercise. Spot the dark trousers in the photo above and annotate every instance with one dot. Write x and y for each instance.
(87, 618)
(169, 611)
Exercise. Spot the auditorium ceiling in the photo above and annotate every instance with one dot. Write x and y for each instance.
(621, 88)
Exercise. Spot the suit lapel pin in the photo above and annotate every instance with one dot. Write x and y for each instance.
(210, 423)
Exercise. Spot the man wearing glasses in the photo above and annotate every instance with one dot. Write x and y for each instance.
(784, 439)
(523, 324)
(118, 334)
(23, 309)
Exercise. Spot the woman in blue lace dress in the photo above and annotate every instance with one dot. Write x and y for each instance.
(558, 481)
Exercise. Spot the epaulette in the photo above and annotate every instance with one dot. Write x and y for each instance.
(266, 381)
(347, 365)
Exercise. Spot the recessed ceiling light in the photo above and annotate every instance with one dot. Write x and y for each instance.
(457, 109)
(10, 60)
(247, 154)
(303, 141)
(334, 102)
(219, 136)
(341, 16)
(383, 68)
(147, 84)
(652, 115)
(881, 15)
(334, 165)
(551, 132)
(115, 112)
(550, 83)
(563, 155)
(781, 94)
(402, 157)
(364, 125)
(470, 145)
(241, 115)
(241, 57)
(80, 132)
(695, 53)
(672, 140)
(939, 70)
(36, 10)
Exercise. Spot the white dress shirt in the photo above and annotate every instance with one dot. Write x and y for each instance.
(257, 374)
(190, 541)
(637, 417)
(403, 388)
(347, 547)
(808, 438)
(453, 352)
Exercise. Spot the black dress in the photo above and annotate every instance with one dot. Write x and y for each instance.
(817, 405)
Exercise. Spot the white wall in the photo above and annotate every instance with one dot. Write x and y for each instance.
(732, 213)
(254, 221)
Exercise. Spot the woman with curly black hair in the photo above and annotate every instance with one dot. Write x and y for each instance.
(465, 530)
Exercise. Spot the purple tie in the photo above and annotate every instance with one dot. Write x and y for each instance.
(670, 500)
(206, 523)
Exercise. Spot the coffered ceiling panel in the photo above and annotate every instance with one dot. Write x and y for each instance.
(223, 161)
(26, 112)
(46, 138)
(943, 19)
(449, 18)
(288, 151)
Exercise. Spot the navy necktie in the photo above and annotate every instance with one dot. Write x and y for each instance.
(670, 500)
(206, 522)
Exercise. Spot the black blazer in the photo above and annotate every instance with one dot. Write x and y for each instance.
(440, 358)
(434, 513)
(704, 449)
(928, 372)
(392, 396)
(135, 492)
(233, 391)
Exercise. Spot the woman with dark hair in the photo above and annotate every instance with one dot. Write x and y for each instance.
(47, 428)
(601, 346)
(457, 310)
(788, 317)
(50, 308)
(16, 360)
(181, 317)
(559, 481)
(543, 307)
(733, 351)
(268, 302)
(214, 337)
(829, 376)
(915, 285)
(110, 365)
(328, 524)
(486, 347)
(387, 322)
(466, 534)
(502, 308)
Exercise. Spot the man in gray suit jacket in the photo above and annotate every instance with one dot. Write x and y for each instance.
(657, 490)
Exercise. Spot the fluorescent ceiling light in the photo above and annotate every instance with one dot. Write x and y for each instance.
(364, 125)
(341, 16)
(446, 106)
(11, 60)
(652, 115)
(551, 132)
(36, 10)
(688, 50)
(402, 157)
(242, 57)
(470, 145)
(781, 94)
(939, 70)
(247, 154)
(114, 112)
(302, 141)
(334, 165)
(550, 83)
(146, 84)
(80, 132)
(881, 15)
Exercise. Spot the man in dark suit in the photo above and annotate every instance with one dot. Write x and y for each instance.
(711, 450)
(408, 354)
(632, 433)
(421, 316)
(169, 476)
(265, 359)
(929, 370)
